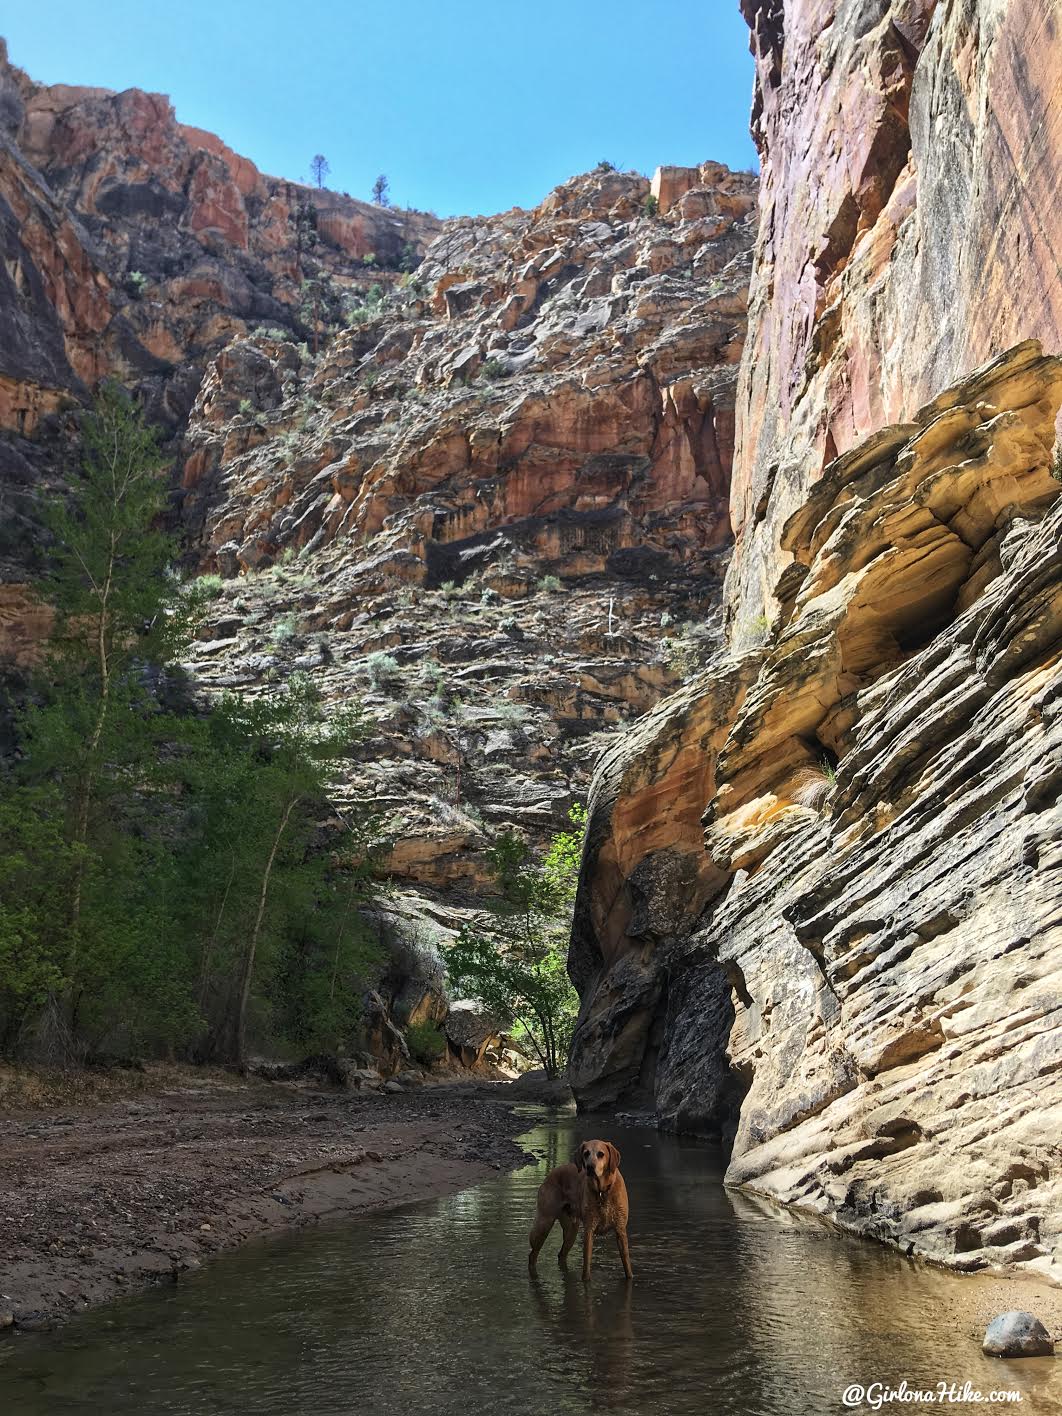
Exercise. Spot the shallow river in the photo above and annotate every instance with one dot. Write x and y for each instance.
(429, 1309)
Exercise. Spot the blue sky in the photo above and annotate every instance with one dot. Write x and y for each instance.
(467, 106)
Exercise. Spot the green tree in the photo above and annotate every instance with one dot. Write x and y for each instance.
(36, 864)
(162, 867)
(91, 740)
(320, 167)
(273, 911)
(516, 966)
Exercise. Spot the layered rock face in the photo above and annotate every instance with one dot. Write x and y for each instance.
(566, 373)
(821, 909)
(910, 155)
(136, 246)
(486, 494)
(494, 509)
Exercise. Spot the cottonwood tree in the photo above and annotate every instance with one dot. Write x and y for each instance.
(516, 965)
(256, 886)
(162, 868)
(90, 743)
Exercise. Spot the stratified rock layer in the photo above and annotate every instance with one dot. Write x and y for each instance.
(494, 509)
(851, 964)
(136, 246)
(911, 154)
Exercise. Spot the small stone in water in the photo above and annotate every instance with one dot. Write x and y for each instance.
(1017, 1335)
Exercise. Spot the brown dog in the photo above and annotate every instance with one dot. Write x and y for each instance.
(590, 1192)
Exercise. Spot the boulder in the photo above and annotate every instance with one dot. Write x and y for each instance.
(470, 1029)
(535, 1086)
(1017, 1334)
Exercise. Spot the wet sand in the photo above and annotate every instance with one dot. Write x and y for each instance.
(96, 1201)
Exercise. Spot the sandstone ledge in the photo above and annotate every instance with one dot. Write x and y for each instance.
(868, 997)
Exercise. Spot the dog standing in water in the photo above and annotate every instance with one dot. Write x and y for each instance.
(587, 1191)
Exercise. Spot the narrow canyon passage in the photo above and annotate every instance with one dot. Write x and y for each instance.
(736, 1309)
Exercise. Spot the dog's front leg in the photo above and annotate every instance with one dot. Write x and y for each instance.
(588, 1251)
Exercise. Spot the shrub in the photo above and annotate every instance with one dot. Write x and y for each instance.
(1056, 464)
(750, 633)
(288, 443)
(493, 369)
(435, 677)
(246, 406)
(513, 714)
(651, 206)
(551, 584)
(605, 166)
(136, 283)
(272, 332)
(209, 586)
(285, 628)
(381, 669)
(369, 258)
(686, 653)
(426, 1042)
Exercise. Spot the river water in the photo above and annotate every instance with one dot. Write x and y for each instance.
(736, 1309)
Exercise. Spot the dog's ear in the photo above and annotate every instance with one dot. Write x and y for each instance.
(613, 1157)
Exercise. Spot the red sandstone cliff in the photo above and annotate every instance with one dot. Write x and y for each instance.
(911, 154)
(137, 246)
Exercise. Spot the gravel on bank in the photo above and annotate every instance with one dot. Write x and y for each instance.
(96, 1201)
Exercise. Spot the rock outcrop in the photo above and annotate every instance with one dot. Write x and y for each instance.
(566, 373)
(821, 908)
(910, 155)
(136, 246)
(494, 508)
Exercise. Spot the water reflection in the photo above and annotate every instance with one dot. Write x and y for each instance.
(736, 1310)
(594, 1333)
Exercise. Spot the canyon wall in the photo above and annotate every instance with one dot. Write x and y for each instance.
(820, 913)
(910, 154)
(136, 246)
(473, 474)
(494, 509)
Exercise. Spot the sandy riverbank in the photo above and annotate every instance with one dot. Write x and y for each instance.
(97, 1200)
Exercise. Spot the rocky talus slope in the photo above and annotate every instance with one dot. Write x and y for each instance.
(910, 152)
(494, 509)
(821, 910)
